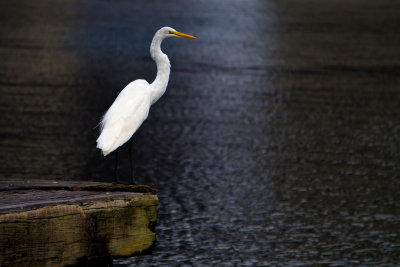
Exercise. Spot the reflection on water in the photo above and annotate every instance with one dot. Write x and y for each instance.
(277, 141)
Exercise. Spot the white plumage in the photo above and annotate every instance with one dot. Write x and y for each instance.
(132, 105)
(124, 116)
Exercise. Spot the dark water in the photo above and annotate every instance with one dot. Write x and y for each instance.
(277, 142)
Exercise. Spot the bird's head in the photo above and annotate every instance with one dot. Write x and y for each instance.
(170, 32)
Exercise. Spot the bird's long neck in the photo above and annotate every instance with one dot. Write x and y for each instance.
(159, 85)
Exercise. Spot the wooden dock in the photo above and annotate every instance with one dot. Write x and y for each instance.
(45, 223)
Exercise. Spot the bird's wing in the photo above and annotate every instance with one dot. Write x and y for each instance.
(125, 116)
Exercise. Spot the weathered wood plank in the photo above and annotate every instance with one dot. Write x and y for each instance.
(64, 226)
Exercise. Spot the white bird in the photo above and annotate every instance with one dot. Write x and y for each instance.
(132, 105)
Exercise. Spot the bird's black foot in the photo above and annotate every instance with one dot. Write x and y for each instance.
(132, 181)
(116, 178)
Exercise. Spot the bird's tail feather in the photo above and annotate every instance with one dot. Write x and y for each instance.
(105, 143)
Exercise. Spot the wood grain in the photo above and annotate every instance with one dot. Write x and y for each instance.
(75, 227)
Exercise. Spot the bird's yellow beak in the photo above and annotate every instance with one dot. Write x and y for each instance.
(181, 34)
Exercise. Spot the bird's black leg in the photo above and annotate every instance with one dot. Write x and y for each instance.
(116, 167)
(131, 161)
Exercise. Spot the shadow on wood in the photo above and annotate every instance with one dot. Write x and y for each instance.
(48, 224)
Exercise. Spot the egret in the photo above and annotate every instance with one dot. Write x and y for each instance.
(131, 107)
